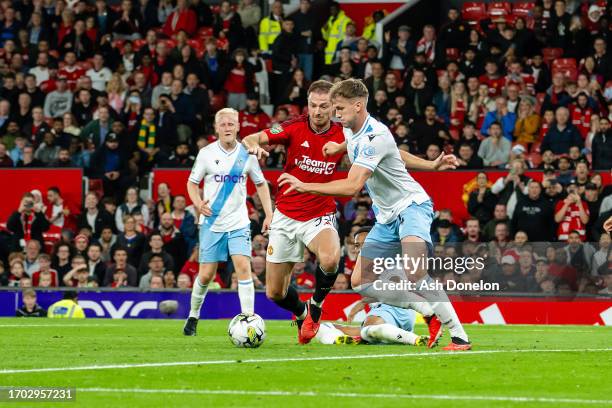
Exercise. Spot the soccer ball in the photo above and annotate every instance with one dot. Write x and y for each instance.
(247, 330)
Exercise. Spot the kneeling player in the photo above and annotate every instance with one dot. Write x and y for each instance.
(383, 324)
(225, 225)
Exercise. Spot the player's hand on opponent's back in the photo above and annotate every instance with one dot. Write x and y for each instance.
(331, 148)
(258, 151)
(204, 208)
(445, 162)
(293, 182)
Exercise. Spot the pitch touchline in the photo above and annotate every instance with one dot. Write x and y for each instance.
(288, 359)
(59, 325)
(345, 395)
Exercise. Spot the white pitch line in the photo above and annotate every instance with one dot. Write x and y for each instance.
(60, 325)
(280, 393)
(287, 359)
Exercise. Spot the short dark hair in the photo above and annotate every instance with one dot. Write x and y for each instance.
(320, 86)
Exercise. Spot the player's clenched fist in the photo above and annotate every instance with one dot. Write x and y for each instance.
(332, 148)
(204, 208)
(260, 152)
(294, 183)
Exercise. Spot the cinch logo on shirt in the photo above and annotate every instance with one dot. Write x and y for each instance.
(226, 178)
(315, 166)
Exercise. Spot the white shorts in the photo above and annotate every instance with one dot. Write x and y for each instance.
(288, 237)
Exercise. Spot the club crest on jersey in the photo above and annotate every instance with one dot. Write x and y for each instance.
(276, 129)
(270, 250)
(368, 151)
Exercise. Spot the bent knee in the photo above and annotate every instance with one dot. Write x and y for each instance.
(275, 294)
(329, 261)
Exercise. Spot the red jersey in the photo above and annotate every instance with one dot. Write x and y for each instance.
(581, 118)
(496, 85)
(306, 162)
(253, 122)
(72, 74)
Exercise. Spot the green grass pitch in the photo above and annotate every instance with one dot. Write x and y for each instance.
(149, 363)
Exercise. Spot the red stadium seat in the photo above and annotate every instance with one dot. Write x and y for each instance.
(197, 45)
(522, 9)
(499, 9)
(551, 54)
(139, 43)
(473, 12)
(567, 66)
(84, 65)
(294, 110)
(453, 54)
(539, 100)
(218, 102)
(205, 32)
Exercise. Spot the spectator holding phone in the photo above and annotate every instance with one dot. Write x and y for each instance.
(27, 223)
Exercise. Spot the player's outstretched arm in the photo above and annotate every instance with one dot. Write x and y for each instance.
(254, 142)
(359, 306)
(443, 162)
(264, 195)
(349, 186)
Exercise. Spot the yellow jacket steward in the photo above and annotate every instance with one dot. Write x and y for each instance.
(333, 32)
(369, 31)
(269, 29)
(66, 309)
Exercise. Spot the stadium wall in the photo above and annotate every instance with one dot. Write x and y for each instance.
(447, 189)
(120, 304)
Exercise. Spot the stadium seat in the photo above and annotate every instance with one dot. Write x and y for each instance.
(499, 9)
(551, 54)
(139, 43)
(218, 102)
(96, 186)
(522, 9)
(539, 100)
(205, 32)
(84, 65)
(567, 66)
(453, 54)
(473, 12)
(294, 110)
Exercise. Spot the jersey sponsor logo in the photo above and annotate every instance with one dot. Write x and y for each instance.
(276, 129)
(229, 178)
(315, 166)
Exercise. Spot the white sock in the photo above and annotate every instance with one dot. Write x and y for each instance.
(246, 293)
(328, 334)
(198, 293)
(387, 333)
(447, 315)
(422, 308)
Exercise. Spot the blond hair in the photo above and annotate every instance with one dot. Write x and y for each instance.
(226, 111)
(350, 89)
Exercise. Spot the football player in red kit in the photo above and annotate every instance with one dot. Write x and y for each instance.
(300, 219)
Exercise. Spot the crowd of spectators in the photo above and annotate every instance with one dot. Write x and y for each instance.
(118, 88)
